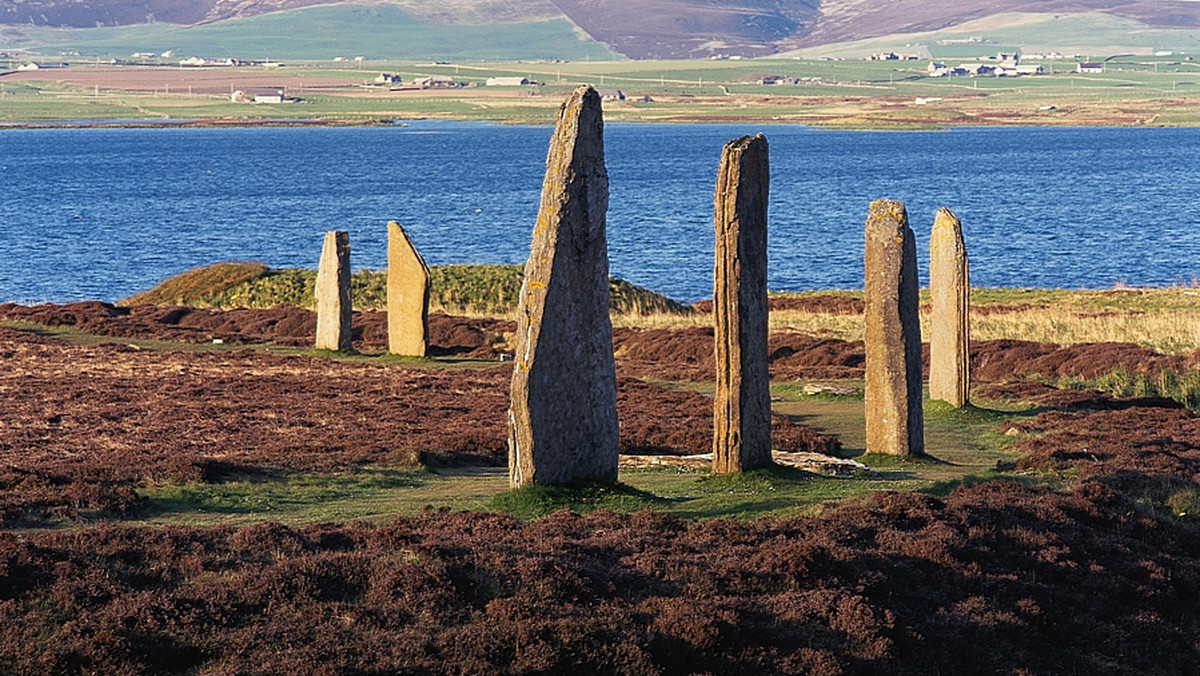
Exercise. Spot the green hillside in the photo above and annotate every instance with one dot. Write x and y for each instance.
(321, 33)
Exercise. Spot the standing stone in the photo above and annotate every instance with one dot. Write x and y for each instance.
(742, 407)
(563, 415)
(950, 290)
(407, 295)
(333, 293)
(892, 333)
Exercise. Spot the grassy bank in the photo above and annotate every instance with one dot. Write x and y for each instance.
(470, 290)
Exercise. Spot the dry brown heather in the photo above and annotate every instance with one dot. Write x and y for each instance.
(995, 578)
(1100, 577)
(1166, 320)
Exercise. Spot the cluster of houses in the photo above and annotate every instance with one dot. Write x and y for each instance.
(198, 62)
(274, 96)
(1005, 64)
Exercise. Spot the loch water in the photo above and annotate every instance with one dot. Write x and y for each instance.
(103, 213)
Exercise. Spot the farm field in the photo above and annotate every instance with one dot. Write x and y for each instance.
(1132, 90)
(191, 489)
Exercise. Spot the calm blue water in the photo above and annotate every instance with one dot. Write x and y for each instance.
(103, 213)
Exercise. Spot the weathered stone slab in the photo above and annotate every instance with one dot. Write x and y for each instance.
(563, 415)
(950, 327)
(407, 295)
(742, 406)
(892, 333)
(333, 293)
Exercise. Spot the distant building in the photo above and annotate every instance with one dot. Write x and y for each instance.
(611, 95)
(507, 81)
(776, 80)
(1089, 68)
(973, 69)
(387, 78)
(438, 82)
(34, 65)
(274, 97)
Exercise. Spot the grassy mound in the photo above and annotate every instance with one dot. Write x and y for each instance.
(456, 289)
(198, 283)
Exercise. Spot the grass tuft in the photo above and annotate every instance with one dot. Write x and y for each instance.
(1169, 384)
(532, 502)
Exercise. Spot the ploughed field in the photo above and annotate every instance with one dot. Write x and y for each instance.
(1054, 531)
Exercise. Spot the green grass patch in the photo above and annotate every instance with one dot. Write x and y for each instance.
(795, 391)
(1183, 387)
(769, 491)
(296, 498)
(532, 502)
(278, 492)
(910, 462)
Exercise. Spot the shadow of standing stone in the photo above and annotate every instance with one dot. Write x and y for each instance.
(742, 405)
(949, 328)
(892, 333)
(407, 295)
(563, 415)
(333, 292)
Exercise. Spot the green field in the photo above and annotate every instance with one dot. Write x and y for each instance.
(1132, 90)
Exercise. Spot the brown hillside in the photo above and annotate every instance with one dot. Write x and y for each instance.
(844, 20)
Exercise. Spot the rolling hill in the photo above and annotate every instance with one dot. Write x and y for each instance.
(572, 29)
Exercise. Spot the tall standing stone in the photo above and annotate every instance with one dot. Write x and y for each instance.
(950, 291)
(892, 333)
(407, 295)
(563, 415)
(742, 407)
(333, 293)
